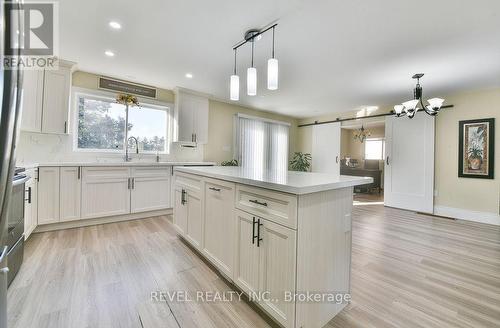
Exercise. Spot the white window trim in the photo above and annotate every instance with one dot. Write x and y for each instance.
(383, 148)
(92, 93)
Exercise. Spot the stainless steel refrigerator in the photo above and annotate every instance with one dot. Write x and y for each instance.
(11, 85)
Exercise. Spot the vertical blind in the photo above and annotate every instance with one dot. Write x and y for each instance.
(261, 145)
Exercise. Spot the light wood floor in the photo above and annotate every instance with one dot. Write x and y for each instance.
(408, 270)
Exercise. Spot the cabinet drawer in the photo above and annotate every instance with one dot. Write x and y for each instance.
(272, 205)
(105, 172)
(139, 172)
(188, 181)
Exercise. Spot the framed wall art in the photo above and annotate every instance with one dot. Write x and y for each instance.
(476, 148)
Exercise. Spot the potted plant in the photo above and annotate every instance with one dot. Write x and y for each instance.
(475, 156)
(232, 162)
(300, 162)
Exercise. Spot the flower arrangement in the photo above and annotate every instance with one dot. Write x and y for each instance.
(127, 99)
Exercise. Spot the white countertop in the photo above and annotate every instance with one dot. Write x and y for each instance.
(298, 183)
(137, 163)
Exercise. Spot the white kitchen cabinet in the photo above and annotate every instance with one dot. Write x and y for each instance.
(277, 270)
(70, 193)
(46, 100)
(266, 264)
(105, 191)
(150, 189)
(191, 112)
(283, 243)
(180, 211)
(55, 106)
(218, 226)
(32, 100)
(189, 196)
(246, 269)
(48, 195)
(194, 218)
(31, 204)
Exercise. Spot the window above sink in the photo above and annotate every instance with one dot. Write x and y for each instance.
(100, 125)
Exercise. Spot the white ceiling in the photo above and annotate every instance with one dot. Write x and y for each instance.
(334, 55)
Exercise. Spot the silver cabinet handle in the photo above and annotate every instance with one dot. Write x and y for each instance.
(128, 183)
(214, 189)
(133, 183)
(387, 160)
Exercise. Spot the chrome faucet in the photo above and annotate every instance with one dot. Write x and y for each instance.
(127, 157)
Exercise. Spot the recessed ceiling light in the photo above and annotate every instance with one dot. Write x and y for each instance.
(109, 53)
(189, 75)
(115, 25)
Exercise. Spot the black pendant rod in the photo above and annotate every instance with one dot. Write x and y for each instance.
(254, 36)
(391, 113)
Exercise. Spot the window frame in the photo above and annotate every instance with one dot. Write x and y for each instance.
(383, 148)
(236, 134)
(110, 96)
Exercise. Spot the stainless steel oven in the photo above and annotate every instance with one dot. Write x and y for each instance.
(15, 224)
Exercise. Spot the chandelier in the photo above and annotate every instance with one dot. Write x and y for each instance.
(361, 134)
(272, 66)
(411, 107)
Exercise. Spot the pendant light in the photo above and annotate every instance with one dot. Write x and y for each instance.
(234, 85)
(272, 71)
(252, 77)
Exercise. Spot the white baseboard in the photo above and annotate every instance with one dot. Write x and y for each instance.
(476, 216)
(96, 221)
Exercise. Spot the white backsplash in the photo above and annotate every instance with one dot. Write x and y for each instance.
(48, 148)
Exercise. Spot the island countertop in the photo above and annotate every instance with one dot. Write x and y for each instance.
(297, 183)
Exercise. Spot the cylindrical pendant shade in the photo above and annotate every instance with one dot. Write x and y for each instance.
(252, 81)
(235, 88)
(272, 74)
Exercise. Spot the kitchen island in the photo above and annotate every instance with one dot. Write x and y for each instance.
(284, 238)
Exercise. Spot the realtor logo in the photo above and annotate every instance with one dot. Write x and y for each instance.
(33, 38)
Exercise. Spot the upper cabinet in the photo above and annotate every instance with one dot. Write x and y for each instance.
(191, 112)
(46, 97)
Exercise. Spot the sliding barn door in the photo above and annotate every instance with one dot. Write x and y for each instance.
(409, 165)
(326, 148)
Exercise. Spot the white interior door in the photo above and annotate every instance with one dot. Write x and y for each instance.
(409, 165)
(326, 148)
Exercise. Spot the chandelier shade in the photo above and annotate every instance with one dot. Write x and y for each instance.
(410, 107)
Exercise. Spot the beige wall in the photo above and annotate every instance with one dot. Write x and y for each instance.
(471, 194)
(220, 129)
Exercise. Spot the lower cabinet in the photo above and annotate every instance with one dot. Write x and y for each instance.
(265, 264)
(31, 204)
(150, 189)
(247, 267)
(105, 191)
(180, 211)
(188, 209)
(48, 195)
(70, 193)
(218, 225)
(194, 218)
